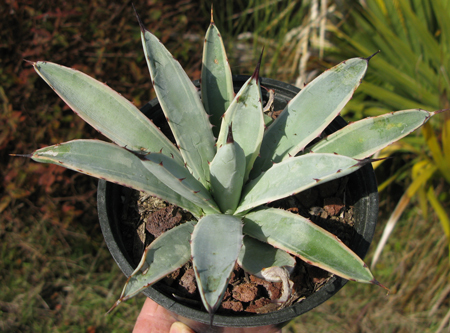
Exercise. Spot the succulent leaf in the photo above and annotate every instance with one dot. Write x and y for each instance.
(227, 176)
(246, 116)
(256, 256)
(294, 175)
(106, 110)
(182, 107)
(267, 120)
(217, 82)
(215, 245)
(112, 163)
(180, 180)
(164, 255)
(309, 113)
(365, 137)
(300, 237)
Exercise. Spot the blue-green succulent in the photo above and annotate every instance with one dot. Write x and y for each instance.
(225, 182)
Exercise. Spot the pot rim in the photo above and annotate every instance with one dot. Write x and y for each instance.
(366, 211)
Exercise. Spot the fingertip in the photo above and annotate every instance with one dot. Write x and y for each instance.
(179, 327)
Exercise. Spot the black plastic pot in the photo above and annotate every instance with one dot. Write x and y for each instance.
(362, 187)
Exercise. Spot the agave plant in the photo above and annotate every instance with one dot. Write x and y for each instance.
(225, 183)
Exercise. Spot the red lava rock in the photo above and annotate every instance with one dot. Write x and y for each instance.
(234, 277)
(256, 305)
(188, 281)
(227, 294)
(233, 306)
(163, 220)
(274, 289)
(245, 292)
(333, 205)
(257, 280)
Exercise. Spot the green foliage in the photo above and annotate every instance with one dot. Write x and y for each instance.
(217, 237)
(411, 71)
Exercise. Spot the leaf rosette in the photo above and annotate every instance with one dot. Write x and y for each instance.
(225, 183)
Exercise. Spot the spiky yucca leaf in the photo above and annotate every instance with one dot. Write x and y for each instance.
(413, 37)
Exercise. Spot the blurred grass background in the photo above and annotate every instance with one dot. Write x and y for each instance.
(55, 271)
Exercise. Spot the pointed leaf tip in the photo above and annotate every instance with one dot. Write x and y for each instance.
(21, 155)
(255, 75)
(375, 282)
(439, 111)
(373, 55)
(212, 15)
(141, 24)
(114, 306)
(30, 62)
